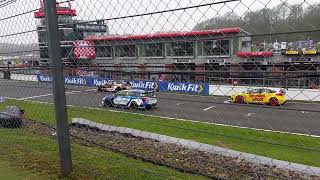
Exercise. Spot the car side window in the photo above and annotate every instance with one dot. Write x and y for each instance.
(254, 91)
(121, 93)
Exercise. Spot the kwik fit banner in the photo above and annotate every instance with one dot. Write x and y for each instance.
(44, 78)
(70, 80)
(161, 86)
(184, 87)
(145, 85)
(98, 81)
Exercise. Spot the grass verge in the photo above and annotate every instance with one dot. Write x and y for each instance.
(24, 155)
(293, 148)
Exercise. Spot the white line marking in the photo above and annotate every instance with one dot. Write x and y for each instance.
(45, 95)
(89, 90)
(227, 102)
(33, 97)
(305, 112)
(206, 109)
(186, 120)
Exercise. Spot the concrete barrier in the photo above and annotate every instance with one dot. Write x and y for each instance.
(23, 77)
(291, 93)
(1, 75)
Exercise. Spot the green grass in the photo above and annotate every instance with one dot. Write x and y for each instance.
(8, 172)
(24, 155)
(293, 148)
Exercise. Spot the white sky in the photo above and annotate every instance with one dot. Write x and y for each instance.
(183, 20)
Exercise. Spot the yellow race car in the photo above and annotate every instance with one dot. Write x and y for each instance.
(260, 96)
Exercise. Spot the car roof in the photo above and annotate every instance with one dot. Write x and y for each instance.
(260, 88)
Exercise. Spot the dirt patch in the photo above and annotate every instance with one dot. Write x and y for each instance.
(172, 155)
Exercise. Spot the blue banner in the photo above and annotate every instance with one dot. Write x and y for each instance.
(70, 80)
(185, 87)
(97, 81)
(80, 81)
(161, 86)
(44, 78)
(145, 85)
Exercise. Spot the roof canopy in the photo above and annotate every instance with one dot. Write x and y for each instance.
(166, 35)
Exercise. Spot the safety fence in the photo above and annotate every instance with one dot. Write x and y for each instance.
(55, 54)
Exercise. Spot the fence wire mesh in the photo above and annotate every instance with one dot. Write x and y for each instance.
(164, 89)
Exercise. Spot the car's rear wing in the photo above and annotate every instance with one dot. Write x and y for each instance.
(280, 91)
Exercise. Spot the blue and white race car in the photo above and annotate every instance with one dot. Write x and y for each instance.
(133, 99)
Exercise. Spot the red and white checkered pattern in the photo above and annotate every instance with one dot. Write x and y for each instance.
(84, 50)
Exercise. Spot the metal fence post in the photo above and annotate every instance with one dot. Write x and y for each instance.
(58, 86)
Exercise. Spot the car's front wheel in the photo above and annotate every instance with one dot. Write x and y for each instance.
(133, 106)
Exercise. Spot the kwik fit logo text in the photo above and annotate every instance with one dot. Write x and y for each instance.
(99, 82)
(75, 80)
(185, 87)
(43, 78)
(144, 85)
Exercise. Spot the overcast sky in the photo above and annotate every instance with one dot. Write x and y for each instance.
(183, 20)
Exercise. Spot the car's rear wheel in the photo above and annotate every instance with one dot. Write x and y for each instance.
(133, 106)
(239, 99)
(108, 103)
(274, 101)
(117, 89)
(148, 108)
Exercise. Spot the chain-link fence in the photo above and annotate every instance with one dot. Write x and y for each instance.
(161, 89)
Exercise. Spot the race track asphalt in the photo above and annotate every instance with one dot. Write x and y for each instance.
(292, 117)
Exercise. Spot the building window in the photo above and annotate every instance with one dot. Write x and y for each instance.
(125, 51)
(216, 47)
(154, 50)
(104, 51)
(182, 49)
(44, 53)
(66, 52)
(42, 36)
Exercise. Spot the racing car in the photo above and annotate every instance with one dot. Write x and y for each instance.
(114, 86)
(132, 99)
(260, 96)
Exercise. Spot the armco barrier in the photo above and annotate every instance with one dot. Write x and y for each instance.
(291, 93)
(24, 77)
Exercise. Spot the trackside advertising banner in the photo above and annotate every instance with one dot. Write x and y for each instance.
(184, 87)
(146, 85)
(97, 81)
(160, 86)
(70, 80)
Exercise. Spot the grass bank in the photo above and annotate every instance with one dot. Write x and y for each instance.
(24, 155)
